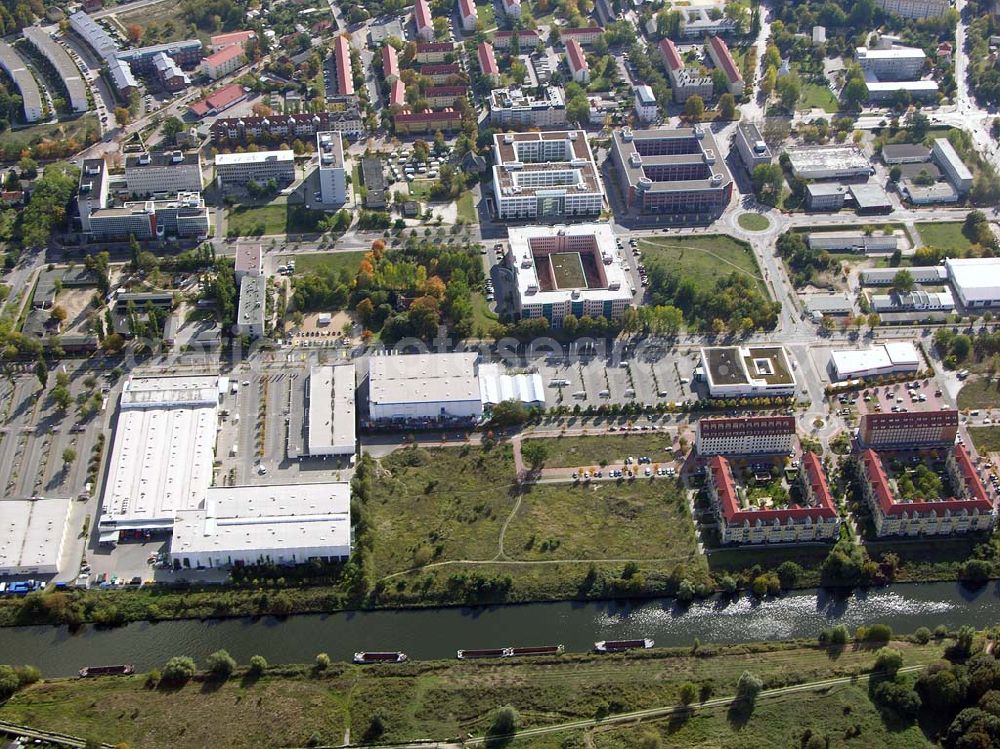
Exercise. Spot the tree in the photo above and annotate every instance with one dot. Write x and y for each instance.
(258, 665)
(221, 664)
(918, 126)
(748, 687)
(688, 693)
(68, 456)
(727, 107)
(134, 33)
(694, 108)
(322, 662)
(178, 670)
(894, 174)
(509, 413)
(789, 89)
(505, 722)
(534, 452)
(171, 126)
(123, 116)
(888, 660)
(41, 372)
(768, 181)
(902, 282)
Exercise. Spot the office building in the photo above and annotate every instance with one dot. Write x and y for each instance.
(888, 91)
(252, 306)
(332, 416)
(424, 388)
(723, 59)
(225, 61)
(746, 371)
(579, 70)
(739, 524)
(62, 63)
(469, 15)
(545, 174)
(684, 82)
(422, 21)
(825, 196)
(676, 174)
(342, 62)
(970, 510)
(163, 172)
(751, 147)
(184, 215)
(332, 170)
(877, 361)
(27, 87)
(976, 281)
(236, 169)
(516, 107)
(488, 63)
(646, 109)
(745, 435)
(92, 191)
(697, 23)
(33, 534)
(829, 162)
(563, 270)
(951, 164)
(893, 64)
(915, 8)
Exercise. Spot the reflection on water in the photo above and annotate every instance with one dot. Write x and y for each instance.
(438, 633)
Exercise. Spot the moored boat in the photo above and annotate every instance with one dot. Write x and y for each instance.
(469, 653)
(124, 669)
(618, 646)
(374, 656)
(538, 650)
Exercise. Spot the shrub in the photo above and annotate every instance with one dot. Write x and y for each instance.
(888, 660)
(839, 634)
(789, 573)
(748, 687)
(688, 693)
(505, 721)
(322, 661)
(258, 665)
(899, 698)
(153, 678)
(221, 663)
(922, 635)
(178, 669)
(940, 632)
(878, 633)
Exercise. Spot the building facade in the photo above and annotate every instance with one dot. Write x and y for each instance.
(515, 107)
(225, 61)
(579, 70)
(751, 147)
(163, 172)
(908, 429)
(746, 435)
(236, 169)
(332, 170)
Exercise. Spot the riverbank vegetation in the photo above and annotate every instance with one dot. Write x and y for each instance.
(315, 705)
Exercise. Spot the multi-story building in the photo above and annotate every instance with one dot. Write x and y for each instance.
(233, 38)
(684, 82)
(751, 146)
(184, 216)
(723, 59)
(236, 169)
(915, 8)
(545, 174)
(250, 313)
(968, 511)
(915, 300)
(908, 429)
(390, 64)
(825, 196)
(92, 192)
(62, 63)
(441, 73)
(585, 35)
(893, 64)
(249, 260)
(422, 21)
(568, 270)
(515, 107)
(224, 62)
(512, 8)
(579, 70)
(332, 171)
(185, 53)
(746, 371)
(93, 34)
(373, 179)
(527, 39)
(740, 525)
(488, 63)
(951, 164)
(285, 127)
(746, 435)
(433, 52)
(646, 108)
(27, 87)
(444, 96)
(169, 73)
(342, 62)
(829, 162)
(163, 172)
(397, 95)
(469, 14)
(678, 174)
(428, 121)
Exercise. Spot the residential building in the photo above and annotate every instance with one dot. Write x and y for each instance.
(745, 435)
(829, 162)
(397, 95)
(27, 87)
(915, 8)
(976, 281)
(677, 174)
(62, 63)
(723, 59)
(99, 40)
(563, 270)
(512, 8)
(249, 260)
(332, 415)
(646, 109)
(252, 306)
(224, 62)
(685, 83)
(825, 196)
(342, 61)
(123, 79)
(231, 39)
(236, 169)
(488, 63)
(527, 39)
(545, 174)
(161, 172)
(951, 164)
(970, 510)
(877, 361)
(696, 23)
(374, 181)
(428, 121)
(424, 388)
(746, 371)
(442, 72)
(908, 429)
(332, 170)
(444, 96)
(893, 64)
(516, 107)
(422, 21)
(433, 52)
(751, 147)
(853, 241)
(168, 73)
(186, 53)
(390, 64)
(219, 101)
(741, 525)
(280, 128)
(579, 70)
(584, 35)
(469, 15)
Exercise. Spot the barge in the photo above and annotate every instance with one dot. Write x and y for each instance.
(619, 646)
(374, 656)
(125, 669)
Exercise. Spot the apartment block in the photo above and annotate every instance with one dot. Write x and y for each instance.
(745, 435)
(516, 107)
(909, 429)
(332, 171)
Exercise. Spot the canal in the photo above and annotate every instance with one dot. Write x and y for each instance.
(438, 633)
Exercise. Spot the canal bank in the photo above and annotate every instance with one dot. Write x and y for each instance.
(439, 633)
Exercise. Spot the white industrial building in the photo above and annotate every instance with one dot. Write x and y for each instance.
(162, 454)
(574, 269)
(332, 172)
(951, 164)
(332, 416)
(886, 359)
(496, 386)
(852, 241)
(746, 371)
(929, 274)
(976, 281)
(913, 301)
(32, 535)
(260, 166)
(829, 162)
(269, 524)
(424, 387)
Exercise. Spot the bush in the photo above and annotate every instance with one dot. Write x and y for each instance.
(899, 698)
(789, 573)
(688, 693)
(839, 634)
(179, 669)
(922, 635)
(258, 665)
(505, 722)
(748, 687)
(888, 660)
(153, 678)
(878, 633)
(221, 664)
(322, 661)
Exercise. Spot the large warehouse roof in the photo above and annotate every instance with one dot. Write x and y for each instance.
(975, 279)
(331, 410)
(884, 359)
(423, 378)
(32, 532)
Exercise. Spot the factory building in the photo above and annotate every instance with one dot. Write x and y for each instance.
(884, 359)
(332, 415)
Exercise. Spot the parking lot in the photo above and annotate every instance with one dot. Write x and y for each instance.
(914, 395)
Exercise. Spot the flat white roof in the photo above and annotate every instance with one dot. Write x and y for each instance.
(423, 378)
(32, 533)
(164, 446)
(902, 352)
(331, 409)
(851, 361)
(975, 279)
(227, 159)
(296, 517)
(248, 259)
(895, 53)
(496, 386)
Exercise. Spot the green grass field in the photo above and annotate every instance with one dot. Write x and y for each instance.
(703, 259)
(944, 235)
(567, 268)
(74, 129)
(986, 439)
(165, 19)
(487, 15)
(483, 318)
(753, 221)
(328, 262)
(979, 393)
(574, 452)
(441, 700)
(277, 217)
(816, 96)
(420, 189)
(467, 209)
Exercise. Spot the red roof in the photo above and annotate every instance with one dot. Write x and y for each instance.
(671, 57)
(428, 115)
(455, 91)
(722, 477)
(444, 68)
(342, 58)
(233, 37)
(582, 30)
(224, 55)
(522, 35)
(488, 59)
(468, 8)
(574, 53)
(724, 59)
(397, 94)
(390, 61)
(224, 97)
(422, 15)
(435, 47)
